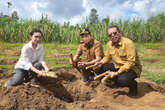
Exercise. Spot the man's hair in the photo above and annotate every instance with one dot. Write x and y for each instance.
(113, 26)
(35, 30)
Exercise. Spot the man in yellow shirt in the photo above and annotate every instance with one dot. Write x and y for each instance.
(126, 65)
(91, 49)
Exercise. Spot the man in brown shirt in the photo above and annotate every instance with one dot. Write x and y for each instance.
(92, 51)
(126, 65)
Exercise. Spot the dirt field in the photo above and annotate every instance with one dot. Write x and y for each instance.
(68, 92)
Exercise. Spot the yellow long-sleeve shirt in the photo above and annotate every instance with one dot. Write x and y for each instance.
(124, 56)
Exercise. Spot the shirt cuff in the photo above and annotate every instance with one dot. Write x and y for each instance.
(105, 60)
(121, 70)
(43, 63)
(28, 66)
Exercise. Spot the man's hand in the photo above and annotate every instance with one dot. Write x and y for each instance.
(73, 59)
(113, 74)
(97, 65)
(82, 64)
(70, 61)
(74, 63)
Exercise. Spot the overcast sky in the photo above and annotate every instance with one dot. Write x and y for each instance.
(76, 11)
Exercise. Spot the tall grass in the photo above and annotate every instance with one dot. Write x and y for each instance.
(138, 30)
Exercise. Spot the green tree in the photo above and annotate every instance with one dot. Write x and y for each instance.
(93, 18)
(14, 15)
(9, 4)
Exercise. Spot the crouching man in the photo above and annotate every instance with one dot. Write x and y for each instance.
(92, 51)
(125, 66)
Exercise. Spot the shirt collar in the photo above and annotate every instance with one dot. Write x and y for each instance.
(119, 43)
(90, 44)
(30, 45)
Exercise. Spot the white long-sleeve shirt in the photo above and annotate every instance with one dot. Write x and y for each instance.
(29, 55)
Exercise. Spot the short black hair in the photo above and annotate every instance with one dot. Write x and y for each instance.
(35, 30)
(114, 26)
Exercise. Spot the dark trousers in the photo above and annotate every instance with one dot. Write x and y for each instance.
(125, 79)
(20, 75)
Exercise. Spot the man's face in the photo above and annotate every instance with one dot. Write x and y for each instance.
(86, 38)
(113, 34)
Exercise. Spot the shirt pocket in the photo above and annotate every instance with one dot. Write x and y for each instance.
(112, 52)
(122, 53)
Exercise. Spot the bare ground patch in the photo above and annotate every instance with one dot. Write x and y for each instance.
(155, 51)
(155, 61)
(7, 61)
(11, 52)
(68, 92)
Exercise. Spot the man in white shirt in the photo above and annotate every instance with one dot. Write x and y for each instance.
(30, 63)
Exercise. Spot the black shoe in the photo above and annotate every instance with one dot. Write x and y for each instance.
(133, 91)
(114, 86)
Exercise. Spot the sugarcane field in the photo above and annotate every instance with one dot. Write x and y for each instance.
(75, 55)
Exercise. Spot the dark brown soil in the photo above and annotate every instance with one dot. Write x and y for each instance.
(3, 70)
(11, 52)
(155, 51)
(155, 61)
(68, 92)
(62, 62)
(7, 61)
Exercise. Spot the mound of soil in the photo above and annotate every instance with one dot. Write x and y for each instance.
(7, 61)
(3, 70)
(68, 92)
(155, 61)
(15, 52)
(155, 51)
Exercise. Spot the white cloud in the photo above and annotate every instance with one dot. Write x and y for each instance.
(36, 11)
(127, 4)
(153, 10)
(76, 11)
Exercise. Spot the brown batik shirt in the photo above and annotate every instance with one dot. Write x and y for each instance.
(90, 51)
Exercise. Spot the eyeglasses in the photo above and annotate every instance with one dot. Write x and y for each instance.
(114, 33)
